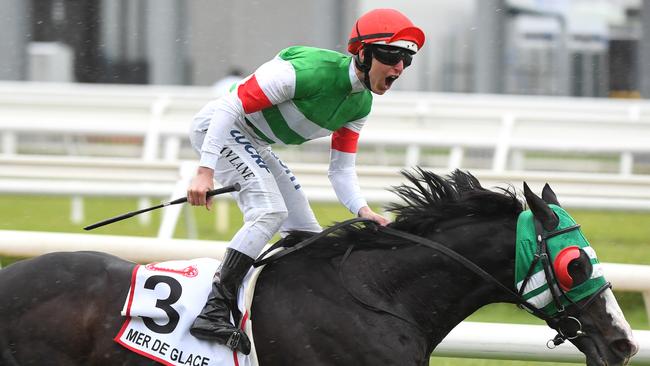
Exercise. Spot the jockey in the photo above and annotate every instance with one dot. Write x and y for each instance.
(302, 94)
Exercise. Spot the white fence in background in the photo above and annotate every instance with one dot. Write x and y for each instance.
(520, 342)
(80, 177)
(445, 131)
(133, 248)
(125, 177)
(510, 130)
(469, 339)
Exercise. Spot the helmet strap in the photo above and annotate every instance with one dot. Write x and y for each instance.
(364, 65)
(367, 59)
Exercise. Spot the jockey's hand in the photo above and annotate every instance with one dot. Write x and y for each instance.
(368, 213)
(199, 187)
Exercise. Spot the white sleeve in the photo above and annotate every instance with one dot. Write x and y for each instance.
(272, 83)
(342, 173)
(227, 110)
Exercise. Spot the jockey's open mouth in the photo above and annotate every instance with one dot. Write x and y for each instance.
(390, 80)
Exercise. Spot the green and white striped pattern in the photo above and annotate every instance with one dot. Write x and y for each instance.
(311, 93)
(537, 290)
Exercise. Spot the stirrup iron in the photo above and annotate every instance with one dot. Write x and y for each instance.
(233, 340)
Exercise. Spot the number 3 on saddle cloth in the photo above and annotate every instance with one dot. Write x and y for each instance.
(163, 301)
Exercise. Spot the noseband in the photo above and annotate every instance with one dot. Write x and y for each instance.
(567, 326)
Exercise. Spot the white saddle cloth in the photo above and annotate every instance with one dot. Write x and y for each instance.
(163, 301)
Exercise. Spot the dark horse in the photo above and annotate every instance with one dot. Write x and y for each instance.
(357, 297)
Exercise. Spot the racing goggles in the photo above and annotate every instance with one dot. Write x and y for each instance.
(391, 56)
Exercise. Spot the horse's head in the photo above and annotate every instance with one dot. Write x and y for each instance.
(579, 303)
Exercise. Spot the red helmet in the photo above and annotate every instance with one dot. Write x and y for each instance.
(385, 26)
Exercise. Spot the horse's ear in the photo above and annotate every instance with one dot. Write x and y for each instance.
(540, 209)
(549, 196)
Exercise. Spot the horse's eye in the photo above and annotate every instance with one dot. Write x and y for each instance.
(572, 267)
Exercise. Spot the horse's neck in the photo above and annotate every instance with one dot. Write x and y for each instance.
(443, 292)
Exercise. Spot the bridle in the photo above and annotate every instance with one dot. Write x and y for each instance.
(567, 326)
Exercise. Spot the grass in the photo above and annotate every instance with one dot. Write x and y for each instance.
(619, 237)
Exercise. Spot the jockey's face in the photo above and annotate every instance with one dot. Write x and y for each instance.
(382, 76)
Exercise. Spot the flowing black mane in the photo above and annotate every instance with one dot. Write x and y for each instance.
(432, 199)
(428, 202)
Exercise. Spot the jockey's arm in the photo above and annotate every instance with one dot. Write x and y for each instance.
(342, 173)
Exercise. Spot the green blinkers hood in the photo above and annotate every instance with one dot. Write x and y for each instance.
(537, 291)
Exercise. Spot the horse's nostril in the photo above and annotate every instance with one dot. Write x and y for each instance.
(625, 348)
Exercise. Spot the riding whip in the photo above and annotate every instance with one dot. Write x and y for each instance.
(232, 188)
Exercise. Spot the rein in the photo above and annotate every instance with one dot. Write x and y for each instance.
(568, 327)
(261, 260)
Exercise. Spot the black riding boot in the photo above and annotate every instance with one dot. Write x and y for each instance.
(214, 321)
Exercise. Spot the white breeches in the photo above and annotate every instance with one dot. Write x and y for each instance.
(270, 198)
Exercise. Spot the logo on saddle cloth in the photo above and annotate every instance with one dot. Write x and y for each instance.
(561, 248)
(189, 271)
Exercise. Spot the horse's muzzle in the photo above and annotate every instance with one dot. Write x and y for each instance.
(624, 348)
